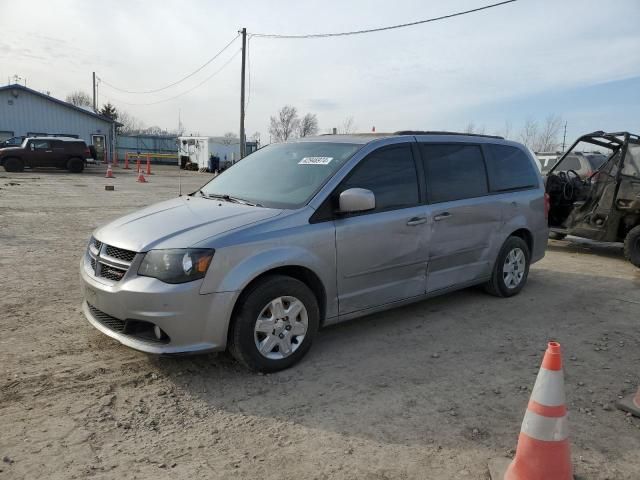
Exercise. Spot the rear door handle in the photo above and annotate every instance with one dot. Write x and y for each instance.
(416, 221)
(442, 216)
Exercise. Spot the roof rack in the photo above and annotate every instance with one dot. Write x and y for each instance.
(431, 132)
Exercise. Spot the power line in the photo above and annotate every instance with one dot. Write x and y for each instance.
(177, 82)
(380, 29)
(224, 65)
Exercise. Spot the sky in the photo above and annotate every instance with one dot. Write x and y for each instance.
(525, 60)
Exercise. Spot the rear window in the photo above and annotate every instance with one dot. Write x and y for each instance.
(596, 160)
(509, 168)
(454, 171)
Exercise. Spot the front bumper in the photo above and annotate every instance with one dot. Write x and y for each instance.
(192, 322)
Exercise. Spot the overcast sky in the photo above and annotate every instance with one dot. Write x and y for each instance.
(578, 59)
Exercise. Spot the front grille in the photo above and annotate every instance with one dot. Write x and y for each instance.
(108, 321)
(134, 328)
(111, 273)
(119, 253)
(108, 261)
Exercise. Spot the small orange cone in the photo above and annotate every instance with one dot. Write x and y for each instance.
(543, 451)
(141, 178)
(109, 172)
(631, 404)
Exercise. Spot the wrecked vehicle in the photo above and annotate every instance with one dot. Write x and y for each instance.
(605, 206)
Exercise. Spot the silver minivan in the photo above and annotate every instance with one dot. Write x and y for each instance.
(307, 233)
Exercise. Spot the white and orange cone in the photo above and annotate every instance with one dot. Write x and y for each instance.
(631, 404)
(543, 451)
(109, 172)
(141, 178)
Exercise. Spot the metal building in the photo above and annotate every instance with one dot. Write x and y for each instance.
(26, 112)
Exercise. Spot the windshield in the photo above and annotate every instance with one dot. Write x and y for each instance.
(284, 175)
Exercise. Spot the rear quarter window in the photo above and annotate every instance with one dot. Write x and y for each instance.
(509, 168)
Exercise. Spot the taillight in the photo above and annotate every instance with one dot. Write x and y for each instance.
(547, 205)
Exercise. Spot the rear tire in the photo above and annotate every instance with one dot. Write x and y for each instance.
(557, 236)
(632, 246)
(75, 165)
(253, 310)
(13, 165)
(511, 269)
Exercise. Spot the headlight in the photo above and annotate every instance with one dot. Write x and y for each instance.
(176, 265)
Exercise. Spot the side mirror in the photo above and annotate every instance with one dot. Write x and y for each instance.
(356, 200)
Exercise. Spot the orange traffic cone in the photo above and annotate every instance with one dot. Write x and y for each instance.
(141, 178)
(109, 172)
(631, 404)
(543, 451)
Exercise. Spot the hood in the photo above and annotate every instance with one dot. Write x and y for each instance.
(9, 149)
(179, 223)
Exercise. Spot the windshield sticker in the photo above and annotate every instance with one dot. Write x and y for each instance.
(315, 161)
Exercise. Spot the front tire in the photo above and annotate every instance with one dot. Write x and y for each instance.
(274, 324)
(13, 165)
(511, 269)
(632, 246)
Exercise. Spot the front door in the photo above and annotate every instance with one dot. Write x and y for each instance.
(464, 219)
(100, 145)
(41, 154)
(381, 254)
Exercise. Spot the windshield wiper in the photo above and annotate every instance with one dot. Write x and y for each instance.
(231, 199)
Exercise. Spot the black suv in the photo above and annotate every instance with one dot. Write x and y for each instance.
(60, 152)
(605, 206)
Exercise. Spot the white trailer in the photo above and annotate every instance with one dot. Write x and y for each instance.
(196, 148)
(199, 149)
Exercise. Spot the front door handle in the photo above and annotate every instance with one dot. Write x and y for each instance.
(442, 216)
(416, 221)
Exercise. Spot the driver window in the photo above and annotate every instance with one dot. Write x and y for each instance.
(390, 173)
(40, 145)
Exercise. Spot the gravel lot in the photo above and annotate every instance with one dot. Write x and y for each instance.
(431, 390)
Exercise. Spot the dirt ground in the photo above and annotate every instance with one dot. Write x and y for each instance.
(429, 391)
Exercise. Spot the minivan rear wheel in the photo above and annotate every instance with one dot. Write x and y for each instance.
(511, 269)
(274, 324)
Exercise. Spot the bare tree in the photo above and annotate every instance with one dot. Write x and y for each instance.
(80, 99)
(285, 124)
(255, 137)
(506, 130)
(308, 125)
(348, 126)
(529, 133)
(470, 128)
(130, 124)
(547, 140)
(230, 138)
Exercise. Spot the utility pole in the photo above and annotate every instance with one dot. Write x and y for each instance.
(244, 58)
(94, 91)
(564, 138)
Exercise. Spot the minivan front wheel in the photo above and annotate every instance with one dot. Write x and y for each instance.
(274, 324)
(511, 269)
